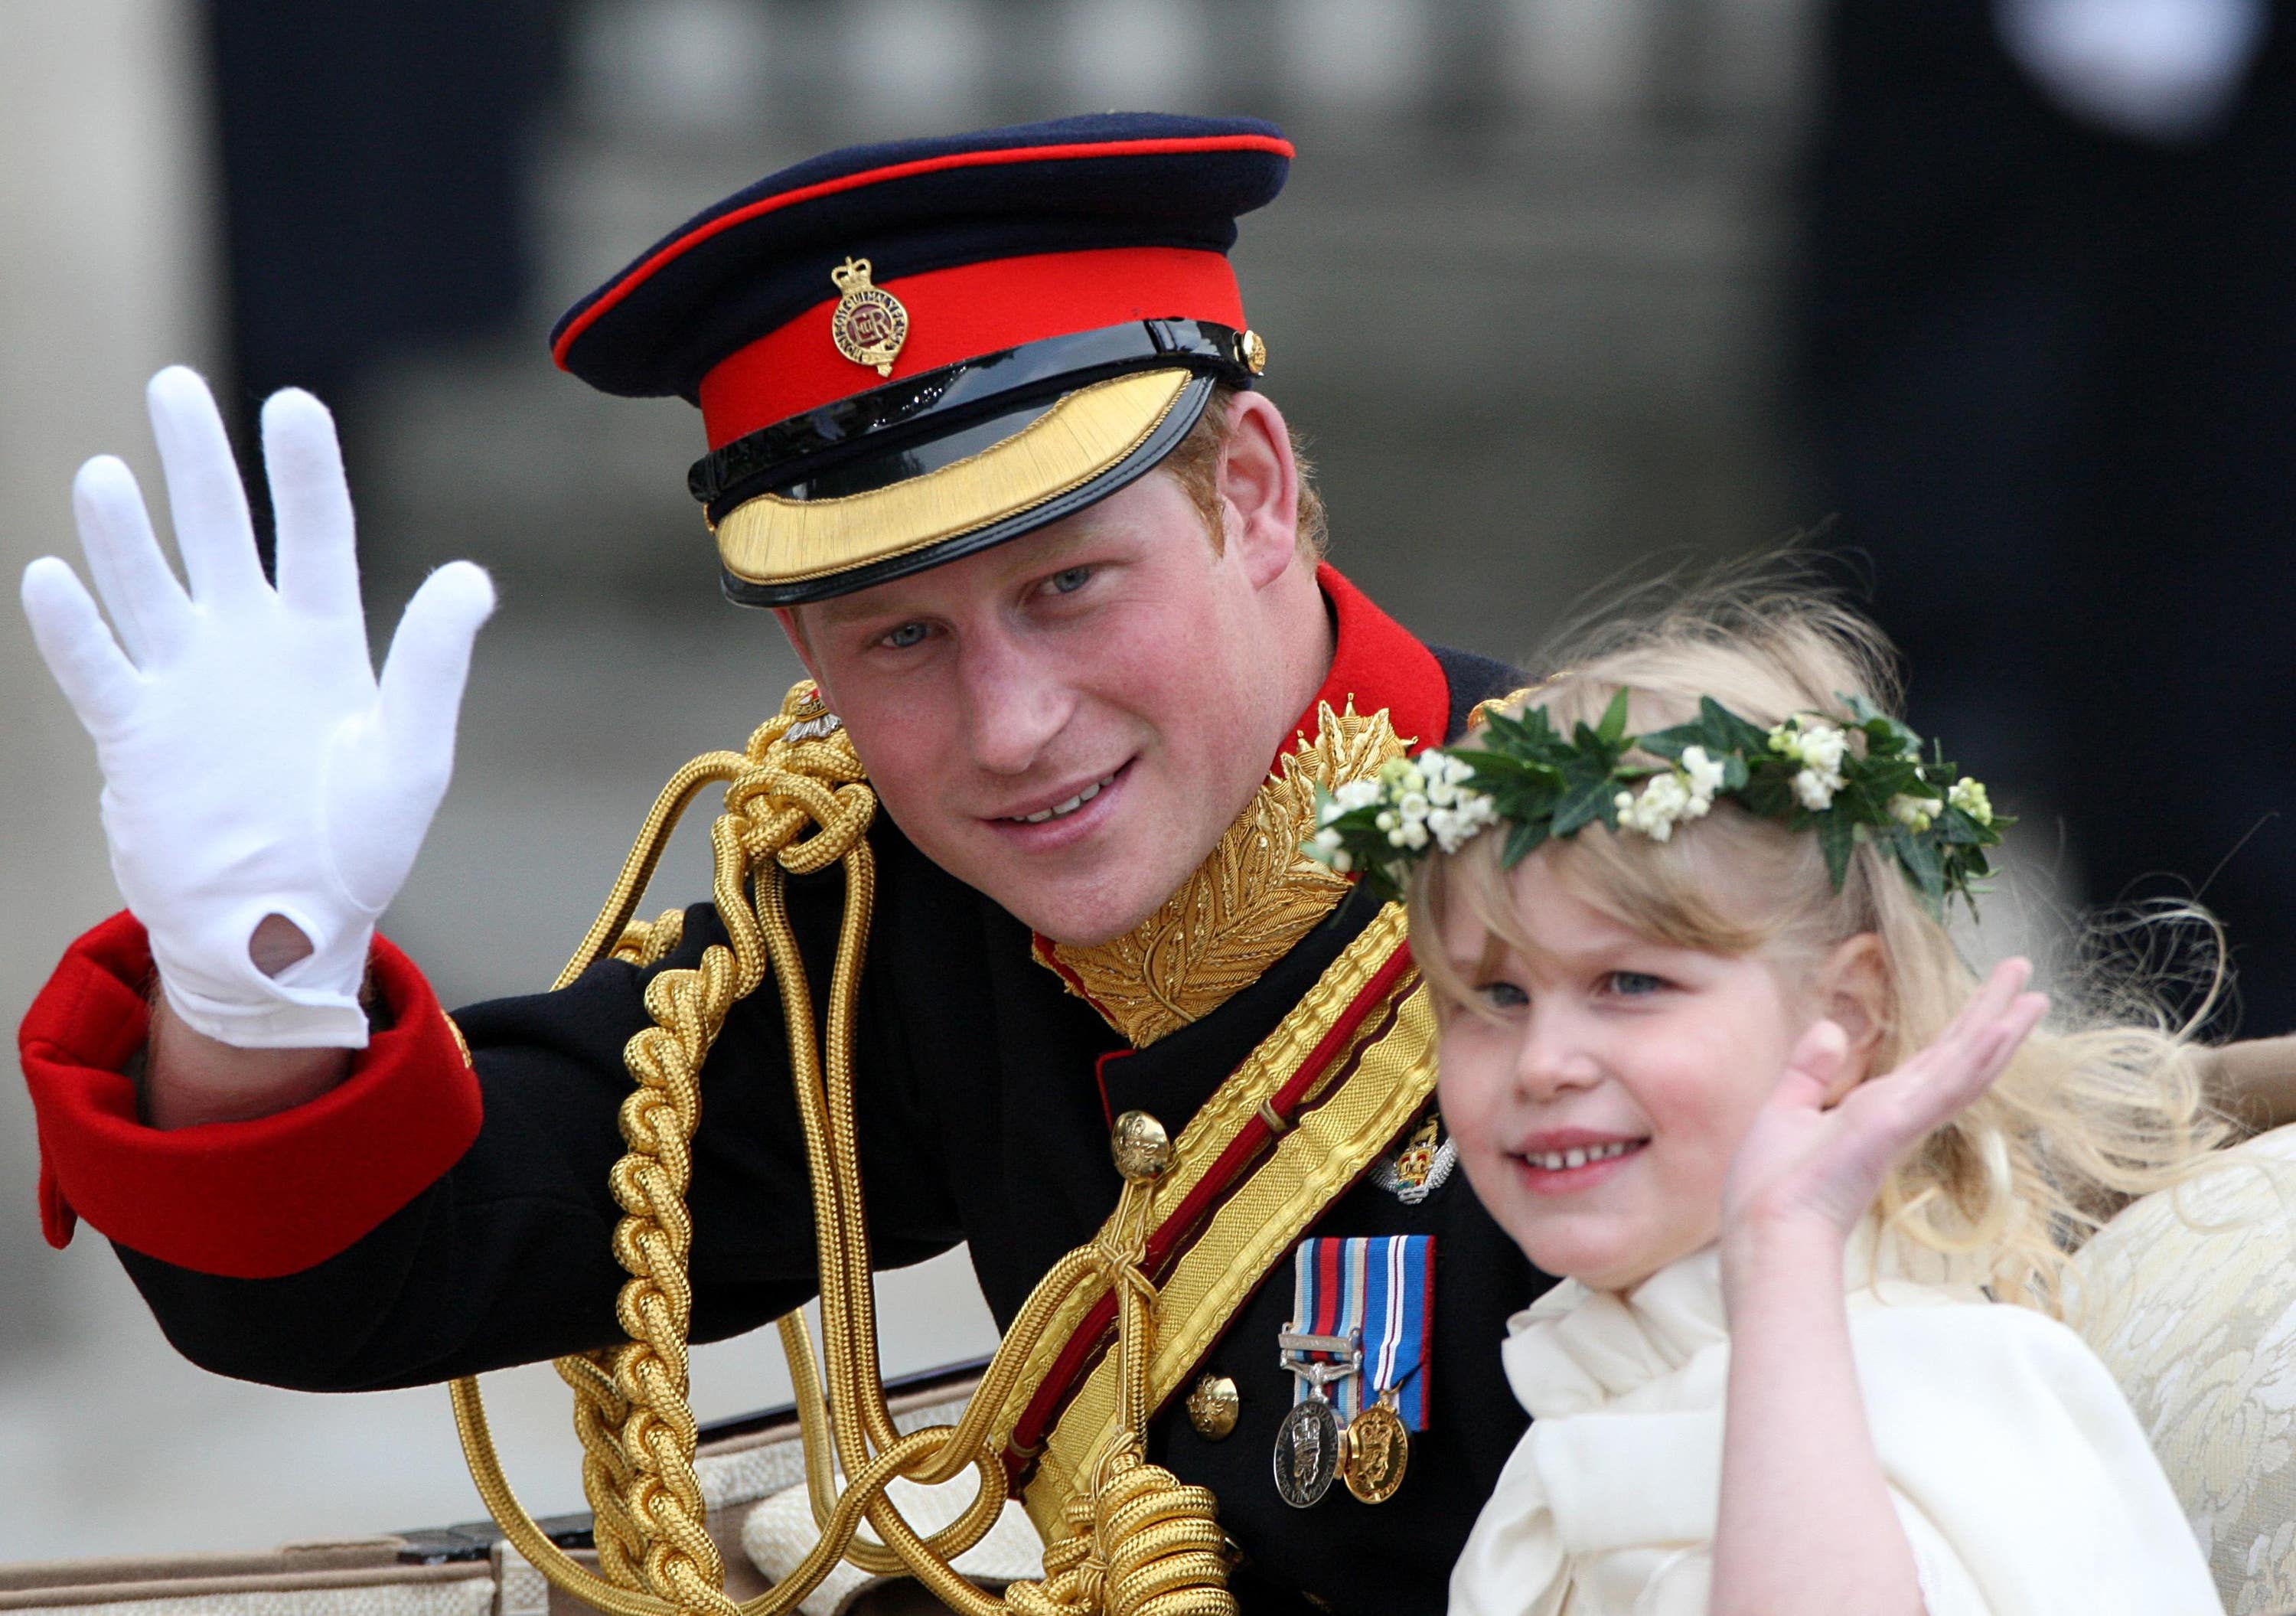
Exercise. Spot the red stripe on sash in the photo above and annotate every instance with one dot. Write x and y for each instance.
(1226, 1172)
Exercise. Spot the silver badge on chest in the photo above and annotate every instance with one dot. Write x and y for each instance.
(1307, 1453)
(1307, 1442)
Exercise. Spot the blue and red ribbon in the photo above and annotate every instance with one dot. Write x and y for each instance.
(1383, 1286)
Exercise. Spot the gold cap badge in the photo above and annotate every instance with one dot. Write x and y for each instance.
(868, 323)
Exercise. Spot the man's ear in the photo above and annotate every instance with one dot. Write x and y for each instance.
(1259, 489)
(1853, 992)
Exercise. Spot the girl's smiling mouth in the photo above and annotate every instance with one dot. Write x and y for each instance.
(1565, 1162)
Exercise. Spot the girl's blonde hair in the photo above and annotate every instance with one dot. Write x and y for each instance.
(2104, 1103)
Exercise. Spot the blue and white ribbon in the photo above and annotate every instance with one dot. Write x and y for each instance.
(1380, 1287)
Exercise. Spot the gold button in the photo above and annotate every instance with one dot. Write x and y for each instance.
(1253, 349)
(1214, 1406)
(1141, 1146)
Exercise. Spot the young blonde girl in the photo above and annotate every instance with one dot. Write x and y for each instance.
(1813, 1185)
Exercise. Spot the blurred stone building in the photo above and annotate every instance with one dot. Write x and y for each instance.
(1519, 294)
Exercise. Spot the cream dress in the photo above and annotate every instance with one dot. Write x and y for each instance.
(2022, 1479)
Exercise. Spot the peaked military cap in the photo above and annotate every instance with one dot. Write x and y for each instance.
(907, 353)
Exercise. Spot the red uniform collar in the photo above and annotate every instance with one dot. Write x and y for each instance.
(1377, 666)
(1377, 662)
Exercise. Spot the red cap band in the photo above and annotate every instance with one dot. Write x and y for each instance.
(961, 314)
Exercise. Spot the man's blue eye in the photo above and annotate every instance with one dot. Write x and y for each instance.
(1634, 984)
(906, 635)
(1069, 580)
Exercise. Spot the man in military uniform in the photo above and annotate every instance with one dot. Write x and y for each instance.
(984, 434)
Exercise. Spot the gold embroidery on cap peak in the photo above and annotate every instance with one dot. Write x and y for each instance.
(771, 539)
(868, 323)
(1245, 906)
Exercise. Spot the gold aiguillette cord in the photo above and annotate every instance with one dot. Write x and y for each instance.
(1139, 1543)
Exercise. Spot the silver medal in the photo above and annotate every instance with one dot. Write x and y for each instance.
(1307, 1452)
(1307, 1442)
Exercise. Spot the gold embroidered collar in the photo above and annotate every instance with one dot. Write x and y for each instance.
(1244, 907)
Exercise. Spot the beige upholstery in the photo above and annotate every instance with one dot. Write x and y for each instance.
(364, 1579)
(2190, 1298)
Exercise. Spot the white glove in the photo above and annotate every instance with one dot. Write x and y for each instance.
(252, 764)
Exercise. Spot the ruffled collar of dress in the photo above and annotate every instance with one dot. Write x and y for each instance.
(1250, 902)
(1577, 1349)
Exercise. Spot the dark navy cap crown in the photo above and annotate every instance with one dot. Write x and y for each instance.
(764, 256)
(905, 353)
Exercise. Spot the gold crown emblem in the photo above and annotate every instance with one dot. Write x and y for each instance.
(868, 323)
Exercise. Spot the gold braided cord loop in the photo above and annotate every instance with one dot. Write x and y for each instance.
(1141, 1544)
(637, 869)
(607, 1470)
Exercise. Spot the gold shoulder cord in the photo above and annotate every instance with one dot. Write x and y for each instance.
(1138, 1543)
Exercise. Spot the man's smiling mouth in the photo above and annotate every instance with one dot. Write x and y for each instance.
(1062, 810)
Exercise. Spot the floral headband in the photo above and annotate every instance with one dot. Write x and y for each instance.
(1804, 773)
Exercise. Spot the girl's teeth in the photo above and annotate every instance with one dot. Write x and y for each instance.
(1061, 809)
(1557, 1162)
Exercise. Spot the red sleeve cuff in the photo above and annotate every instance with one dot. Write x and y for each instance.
(243, 1200)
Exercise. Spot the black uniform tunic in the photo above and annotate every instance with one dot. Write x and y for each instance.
(981, 1119)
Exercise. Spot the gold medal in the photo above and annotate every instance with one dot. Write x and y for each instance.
(868, 323)
(1374, 1449)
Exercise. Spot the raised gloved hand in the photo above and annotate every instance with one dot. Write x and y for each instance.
(253, 765)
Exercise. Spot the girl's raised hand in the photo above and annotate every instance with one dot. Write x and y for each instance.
(1807, 1171)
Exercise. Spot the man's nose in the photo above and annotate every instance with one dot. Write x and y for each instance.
(1014, 699)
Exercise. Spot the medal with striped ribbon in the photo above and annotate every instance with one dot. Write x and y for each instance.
(1358, 1346)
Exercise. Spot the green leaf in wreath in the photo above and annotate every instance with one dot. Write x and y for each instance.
(1585, 803)
(1837, 833)
(1521, 842)
(1612, 730)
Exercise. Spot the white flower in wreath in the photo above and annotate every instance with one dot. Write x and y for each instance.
(1819, 747)
(1681, 794)
(1445, 777)
(1470, 813)
(1970, 797)
(1665, 802)
(1814, 790)
(1822, 748)
(1916, 813)
(1702, 774)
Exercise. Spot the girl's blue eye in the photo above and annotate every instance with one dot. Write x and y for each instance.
(1503, 995)
(906, 635)
(1634, 984)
